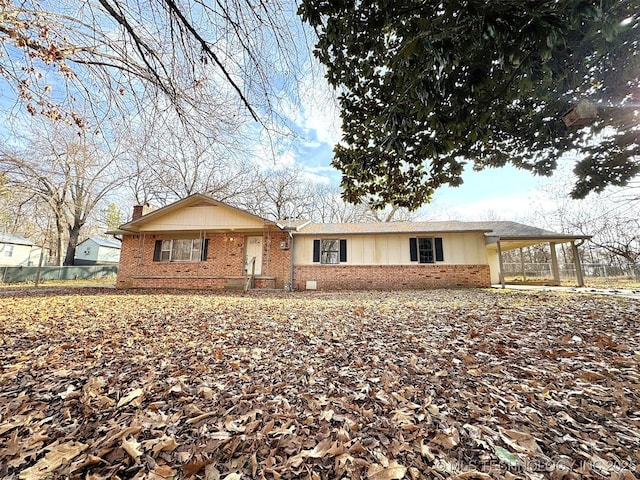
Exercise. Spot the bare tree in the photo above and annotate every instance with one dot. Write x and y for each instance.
(611, 217)
(199, 57)
(288, 193)
(329, 207)
(22, 213)
(69, 175)
(277, 194)
(171, 161)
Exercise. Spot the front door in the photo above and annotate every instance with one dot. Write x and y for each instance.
(254, 249)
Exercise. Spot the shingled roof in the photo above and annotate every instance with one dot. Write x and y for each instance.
(514, 230)
(12, 238)
(505, 230)
(388, 227)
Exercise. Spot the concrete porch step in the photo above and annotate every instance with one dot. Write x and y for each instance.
(235, 283)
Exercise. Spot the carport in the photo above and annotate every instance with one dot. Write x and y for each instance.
(506, 236)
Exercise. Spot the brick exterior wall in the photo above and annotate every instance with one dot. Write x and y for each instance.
(225, 259)
(391, 277)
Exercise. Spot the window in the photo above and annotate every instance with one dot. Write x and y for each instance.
(8, 250)
(426, 250)
(330, 251)
(181, 250)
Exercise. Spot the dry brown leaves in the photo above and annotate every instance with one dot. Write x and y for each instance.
(380, 386)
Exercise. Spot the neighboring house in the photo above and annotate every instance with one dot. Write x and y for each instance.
(16, 251)
(199, 242)
(97, 251)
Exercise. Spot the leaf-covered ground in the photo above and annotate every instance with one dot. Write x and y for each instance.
(437, 384)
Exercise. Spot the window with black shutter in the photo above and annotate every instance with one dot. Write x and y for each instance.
(426, 249)
(330, 251)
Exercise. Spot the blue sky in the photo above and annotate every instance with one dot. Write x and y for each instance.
(497, 192)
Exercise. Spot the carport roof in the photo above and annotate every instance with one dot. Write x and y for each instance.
(514, 235)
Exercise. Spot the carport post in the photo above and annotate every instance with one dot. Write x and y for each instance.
(524, 273)
(554, 263)
(501, 263)
(578, 263)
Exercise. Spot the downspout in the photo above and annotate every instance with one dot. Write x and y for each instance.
(291, 244)
(268, 259)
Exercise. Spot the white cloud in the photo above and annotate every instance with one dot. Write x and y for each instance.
(320, 109)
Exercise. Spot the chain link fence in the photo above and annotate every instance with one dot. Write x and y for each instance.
(597, 272)
(28, 274)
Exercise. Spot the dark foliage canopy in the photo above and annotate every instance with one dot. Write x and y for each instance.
(430, 86)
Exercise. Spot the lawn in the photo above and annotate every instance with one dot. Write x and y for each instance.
(438, 384)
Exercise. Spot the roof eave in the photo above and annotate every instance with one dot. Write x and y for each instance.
(566, 238)
(133, 227)
(397, 232)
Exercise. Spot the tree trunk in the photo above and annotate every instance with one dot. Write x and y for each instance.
(59, 233)
(74, 235)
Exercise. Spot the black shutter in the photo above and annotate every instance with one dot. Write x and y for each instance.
(439, 250)
(343, 250)
(156, 250)
(204, 250)
(316, 251)
(413, 249)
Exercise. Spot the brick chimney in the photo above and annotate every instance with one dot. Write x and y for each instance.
(137, 212)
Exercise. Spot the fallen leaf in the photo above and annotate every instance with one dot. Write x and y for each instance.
(131, 447)
(131, 396)
(164, 471)
(448, 438)
(520, 441)
(56, 456)
(211, 472)
(394, 471)
(474, 474)
(233, 476)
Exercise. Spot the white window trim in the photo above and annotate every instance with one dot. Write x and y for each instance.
(432, 240)
(324, 253)
(170, 251)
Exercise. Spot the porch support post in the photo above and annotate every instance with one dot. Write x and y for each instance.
(554, 263)
(578, 264)
(524, 274)
(500, 261)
